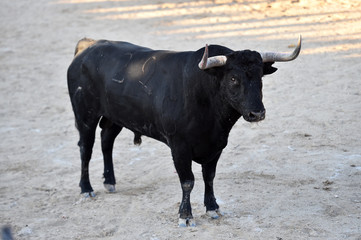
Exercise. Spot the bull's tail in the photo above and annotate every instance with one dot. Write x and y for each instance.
(83, 44)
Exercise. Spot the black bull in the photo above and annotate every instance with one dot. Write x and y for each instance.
(187, 100)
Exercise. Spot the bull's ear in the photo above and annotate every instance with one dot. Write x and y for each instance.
(268, 68)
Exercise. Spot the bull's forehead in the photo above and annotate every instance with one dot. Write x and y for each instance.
(247, 57)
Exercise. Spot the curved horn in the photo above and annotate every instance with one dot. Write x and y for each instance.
(209, 62)
(282, 57)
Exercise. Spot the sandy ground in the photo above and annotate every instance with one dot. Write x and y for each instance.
(296, 175)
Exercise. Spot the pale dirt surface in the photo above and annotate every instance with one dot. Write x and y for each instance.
(296, 175)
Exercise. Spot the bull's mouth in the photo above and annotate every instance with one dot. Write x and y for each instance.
(254, 116)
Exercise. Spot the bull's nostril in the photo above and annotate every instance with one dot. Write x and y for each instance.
(251, 115)
(257, 115)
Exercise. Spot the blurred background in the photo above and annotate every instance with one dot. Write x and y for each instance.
(295, 175)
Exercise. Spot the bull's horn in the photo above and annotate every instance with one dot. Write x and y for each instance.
(209, 62)
(282, 57)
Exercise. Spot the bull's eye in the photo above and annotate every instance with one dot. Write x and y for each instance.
(234, 81)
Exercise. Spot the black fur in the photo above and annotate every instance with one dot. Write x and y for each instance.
(165, 96)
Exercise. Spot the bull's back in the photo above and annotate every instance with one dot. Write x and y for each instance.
(93, 57)
(131, 85)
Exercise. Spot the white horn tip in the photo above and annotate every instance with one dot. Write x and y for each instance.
(283, 57)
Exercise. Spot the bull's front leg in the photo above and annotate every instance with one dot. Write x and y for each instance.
(183, 164)
(185, 209)
(209, 172)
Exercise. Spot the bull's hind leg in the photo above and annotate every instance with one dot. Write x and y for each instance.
(108, 134)
(86, 142)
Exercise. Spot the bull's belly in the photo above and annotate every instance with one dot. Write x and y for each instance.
(138, 124)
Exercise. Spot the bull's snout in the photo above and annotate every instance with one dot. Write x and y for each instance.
(254, 116)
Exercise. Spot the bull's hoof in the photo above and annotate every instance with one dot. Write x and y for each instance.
(88, 195)
(186, 223)
(109, 187)
(215, 214)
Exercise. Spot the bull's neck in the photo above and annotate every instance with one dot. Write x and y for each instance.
(207, 97)
(228, 116)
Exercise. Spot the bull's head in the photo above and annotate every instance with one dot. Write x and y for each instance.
(242, 79)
